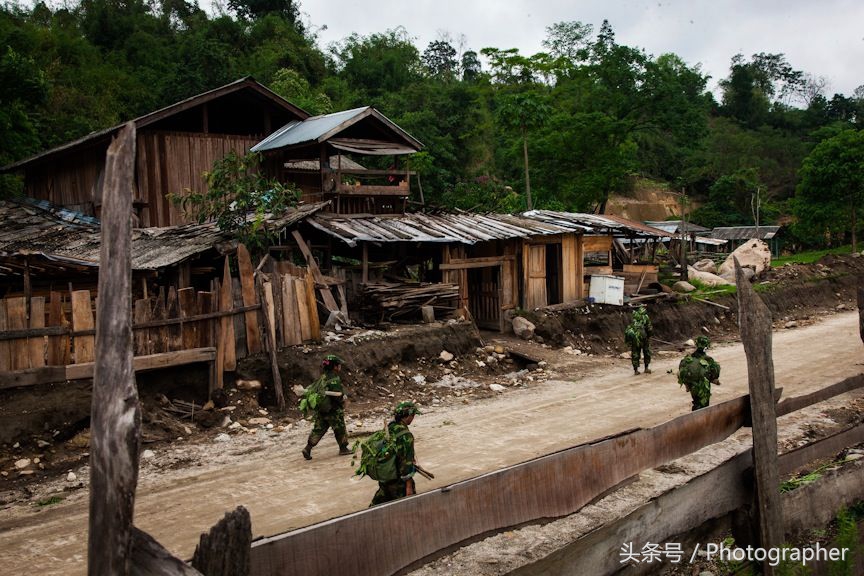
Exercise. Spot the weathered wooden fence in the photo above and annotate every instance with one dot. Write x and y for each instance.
(52, 339)
(552, 486)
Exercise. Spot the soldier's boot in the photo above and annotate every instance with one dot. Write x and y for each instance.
(307, 451)
(647, 370)
(635, 370)
(342, 440)
(344, 450)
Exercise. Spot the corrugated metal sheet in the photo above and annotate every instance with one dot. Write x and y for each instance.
(674, 226)
(594, 223)
(744, 232)
(463, 228)
(26, 229)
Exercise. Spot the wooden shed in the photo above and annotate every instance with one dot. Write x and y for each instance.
(175, 146)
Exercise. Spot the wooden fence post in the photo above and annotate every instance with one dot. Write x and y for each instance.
(115, 415)
(227, 549)
(265, 294)
(861, 307)
(754, 322)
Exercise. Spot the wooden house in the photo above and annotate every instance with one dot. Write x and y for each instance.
(175, 146)
(313, 153)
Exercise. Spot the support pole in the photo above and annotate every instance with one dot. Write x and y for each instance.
(115, 415)
(754, 321)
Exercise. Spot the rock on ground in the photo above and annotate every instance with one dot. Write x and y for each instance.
(523, 328)
(707, 278)
(753, 254)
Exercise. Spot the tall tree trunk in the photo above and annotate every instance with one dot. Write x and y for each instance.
(527, 177)
(854, 225)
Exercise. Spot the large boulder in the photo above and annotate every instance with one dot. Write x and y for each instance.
(706, 265)
(753, 254)
(523, 328)
(706, 278)
(682, 286)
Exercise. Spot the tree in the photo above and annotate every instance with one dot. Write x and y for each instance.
(294, 88)
(831, 191)
(471, 67)
(439, 59)
(524, 111)
(238, 198)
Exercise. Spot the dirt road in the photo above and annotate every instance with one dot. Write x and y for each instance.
(590, 397)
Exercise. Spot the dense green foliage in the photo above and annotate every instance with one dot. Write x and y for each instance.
(578, 121)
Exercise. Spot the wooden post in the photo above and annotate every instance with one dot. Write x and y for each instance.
(58, 346)
(115, 415)
(247, 283)
(265, 291)
(37, 320)
(5, 346)
(754, 321)
(365, 263)
(226, 302)
(227, 549)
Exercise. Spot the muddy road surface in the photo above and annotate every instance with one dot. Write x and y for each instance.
(584, 398)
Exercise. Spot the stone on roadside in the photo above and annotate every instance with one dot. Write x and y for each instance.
(690, 343)
(753, 254)
(706, 265)
(791, 324)
(259, 421)
(298, 390)
(71, 477)
(22, 463)
(496, 387)
(683, 286)
(249, 384)
(222, 438)
(147, 454)
(446, 356)
(523, 328)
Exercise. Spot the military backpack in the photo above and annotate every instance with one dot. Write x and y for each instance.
(378, 455)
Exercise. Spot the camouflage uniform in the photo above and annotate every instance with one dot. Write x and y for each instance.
(638, 336)
(404, 442)
(700, 389)
(330, 413)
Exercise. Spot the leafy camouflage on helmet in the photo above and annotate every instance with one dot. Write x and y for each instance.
(330, 361)
(702, 342)
(405, 408)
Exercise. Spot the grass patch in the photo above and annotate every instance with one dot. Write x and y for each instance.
(810, 256)
(49, 501)
(705, 291)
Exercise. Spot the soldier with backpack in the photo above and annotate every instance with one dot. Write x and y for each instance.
(393, 466)
(637, 335)
(697, 372)
(324, 399)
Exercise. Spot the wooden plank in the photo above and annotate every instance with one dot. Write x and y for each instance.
(302, 309)
(266, 295)
(326, 294)
(205, 326)
(159, 336)
(226, 304)
(221, 344)
(149, 362)
(827, 447)
(239, 320)
(469, 265)
(492, 502)
(32, 376)
(314, 321)
(82, 319)
(16, 319)
(175, 331)
(37, 320)
(188, 309)
(59, 353)
(247, 281)
(754, 321)
(276, 280)
(290, 312)
(5, 346)
(597, 243)
(116, 415)
(142, 337)
(798, 402)
(569, 271)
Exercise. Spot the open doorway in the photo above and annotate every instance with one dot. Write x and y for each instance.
(554, 278)
(484, 296)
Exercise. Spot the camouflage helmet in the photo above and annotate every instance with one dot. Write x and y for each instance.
(640, 310)
(405, 408)
(330, 361)
(702, 342)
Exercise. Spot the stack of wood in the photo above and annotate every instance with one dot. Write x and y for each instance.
(387, 301)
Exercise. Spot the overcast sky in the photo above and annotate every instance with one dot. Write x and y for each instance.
(821, 37)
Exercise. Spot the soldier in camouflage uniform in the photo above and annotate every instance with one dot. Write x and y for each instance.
(330, 411)
(403, 415)
(697, 372)
(638, 337)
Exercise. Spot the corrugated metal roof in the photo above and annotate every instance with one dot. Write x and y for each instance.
(26, 229)
(674, 226)
(594, 223)
(463, 227)
(321, 128)
(744, 232)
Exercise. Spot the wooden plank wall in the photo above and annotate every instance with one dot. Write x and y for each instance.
(71, 180)
(170, 321)
(534, 256)
(174, 162)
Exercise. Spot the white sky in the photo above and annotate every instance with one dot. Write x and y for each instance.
(824, 38)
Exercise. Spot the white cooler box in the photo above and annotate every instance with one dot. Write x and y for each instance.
(607, 289)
